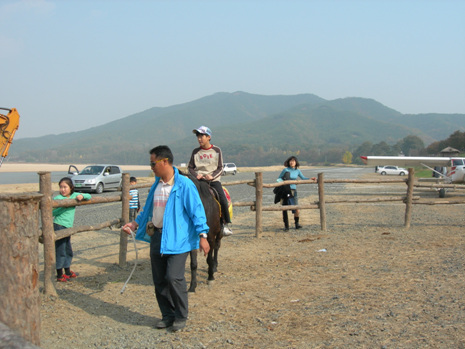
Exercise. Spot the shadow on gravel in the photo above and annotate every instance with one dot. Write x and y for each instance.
(96, 307)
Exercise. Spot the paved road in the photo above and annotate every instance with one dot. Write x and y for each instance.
(96, 214)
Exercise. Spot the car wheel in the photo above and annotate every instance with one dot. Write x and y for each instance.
(99, 189)
(402, 174)
(234, 173)
(383, 173)
(442, 193)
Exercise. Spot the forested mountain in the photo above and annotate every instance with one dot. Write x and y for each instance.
(250, 129)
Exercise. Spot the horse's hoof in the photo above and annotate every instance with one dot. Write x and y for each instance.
(191, 290)
(210, 282)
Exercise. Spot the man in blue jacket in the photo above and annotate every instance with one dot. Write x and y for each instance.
(176, 215)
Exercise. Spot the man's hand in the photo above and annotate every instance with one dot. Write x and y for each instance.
(132, 226)
(199, 177)
(208, 177)
(204, 246)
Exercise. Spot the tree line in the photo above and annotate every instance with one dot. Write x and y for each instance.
(252, 155)
(411, 145)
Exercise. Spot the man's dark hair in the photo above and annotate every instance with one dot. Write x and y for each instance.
(161, 152)
(286, 163)
(132, 179)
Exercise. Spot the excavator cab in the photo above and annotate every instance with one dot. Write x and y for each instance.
(8, 125)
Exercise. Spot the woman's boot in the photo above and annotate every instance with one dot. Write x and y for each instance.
(297, 225)
(286, 221)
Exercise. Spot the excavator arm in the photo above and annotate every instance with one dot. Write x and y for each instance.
(8, 126)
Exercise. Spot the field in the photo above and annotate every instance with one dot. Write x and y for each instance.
(366, 282)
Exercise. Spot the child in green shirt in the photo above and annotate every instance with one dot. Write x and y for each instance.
(63, 218)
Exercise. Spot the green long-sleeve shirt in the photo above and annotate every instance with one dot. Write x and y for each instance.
(65, 215)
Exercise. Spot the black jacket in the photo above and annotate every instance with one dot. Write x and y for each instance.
(283, 192)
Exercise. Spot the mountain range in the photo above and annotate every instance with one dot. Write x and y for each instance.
(243, 124)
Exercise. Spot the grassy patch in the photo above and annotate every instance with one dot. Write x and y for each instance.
(421, 172)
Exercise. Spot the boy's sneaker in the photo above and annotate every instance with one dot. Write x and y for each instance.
(62, 278)
(226, 230)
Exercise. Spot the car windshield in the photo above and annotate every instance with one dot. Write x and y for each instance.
(91, 170)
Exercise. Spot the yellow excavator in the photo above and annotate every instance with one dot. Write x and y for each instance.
(8, 125)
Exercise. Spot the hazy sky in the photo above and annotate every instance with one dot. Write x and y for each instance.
(71, 65)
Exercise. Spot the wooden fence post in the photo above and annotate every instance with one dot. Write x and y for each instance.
(409, 199)
(19, 264)
(123, 237)
(258, 203)
(45, 188)
(321, 201)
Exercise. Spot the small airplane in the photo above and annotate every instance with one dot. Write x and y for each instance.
(449, 170)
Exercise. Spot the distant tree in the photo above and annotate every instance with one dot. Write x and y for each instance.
(333, 155)
(411, 145)
(363, 149)
(433, 148)
(381, 149)
(347, 158)
(456, 140)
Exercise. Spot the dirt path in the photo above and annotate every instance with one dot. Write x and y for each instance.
(365, 283)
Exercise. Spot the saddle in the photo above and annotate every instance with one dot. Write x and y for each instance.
(216, 197)
(214, 193)
(205, 189)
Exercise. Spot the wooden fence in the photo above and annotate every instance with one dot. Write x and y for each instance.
(47, 205)
(20, 232)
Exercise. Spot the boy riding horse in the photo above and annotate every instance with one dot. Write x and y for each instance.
(206, 162)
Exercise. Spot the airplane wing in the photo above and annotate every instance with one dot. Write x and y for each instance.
(406, 161)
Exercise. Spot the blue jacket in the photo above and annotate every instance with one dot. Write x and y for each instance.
(294, 173)
(184, 217)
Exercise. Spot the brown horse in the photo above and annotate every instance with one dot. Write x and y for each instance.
(213, 212)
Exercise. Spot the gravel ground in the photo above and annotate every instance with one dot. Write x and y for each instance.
(365, 282)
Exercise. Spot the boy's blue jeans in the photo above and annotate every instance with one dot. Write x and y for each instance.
(63, 250)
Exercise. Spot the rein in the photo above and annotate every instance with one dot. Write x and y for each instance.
(135, 263)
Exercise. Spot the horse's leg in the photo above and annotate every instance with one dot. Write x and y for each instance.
(215, 256)
(193, 284)
(210, 262)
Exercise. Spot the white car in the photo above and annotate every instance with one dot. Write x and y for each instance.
(229, 167)
(391, 170)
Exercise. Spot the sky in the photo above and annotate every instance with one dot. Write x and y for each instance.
(71, 65)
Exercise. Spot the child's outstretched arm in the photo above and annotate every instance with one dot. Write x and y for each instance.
(83, 196)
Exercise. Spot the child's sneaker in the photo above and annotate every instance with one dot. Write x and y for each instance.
(71, 275)
(227, 231)
(62, 278)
